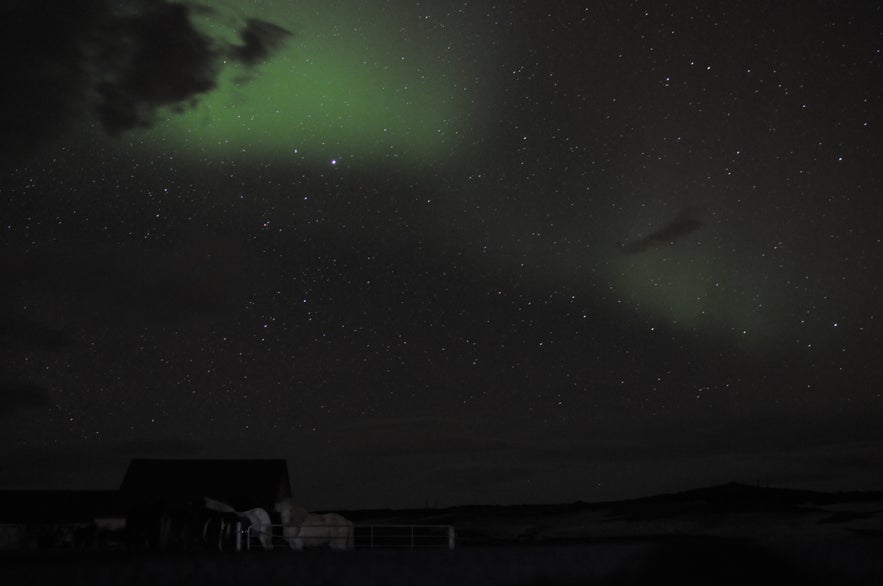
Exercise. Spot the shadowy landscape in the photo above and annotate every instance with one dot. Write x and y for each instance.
(730, 534)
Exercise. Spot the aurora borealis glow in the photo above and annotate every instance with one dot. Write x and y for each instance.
(489, 252)
(356, 81)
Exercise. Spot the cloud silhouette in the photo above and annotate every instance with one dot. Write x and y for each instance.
(16, 331)
(117, 63)
(260, 39)
(178, 285)
(685, 223)
(17, 395)
(158, 59)
(156, 447)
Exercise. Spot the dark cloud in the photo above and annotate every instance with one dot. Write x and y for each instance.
(65, 62)
(178, 285)
(158, 59)
(16, 395)
(428, 437)
(61, 466)
(478, 476)
(156, 447)
(684, 224)
(19, 331)
(42, 56)
(260, 39)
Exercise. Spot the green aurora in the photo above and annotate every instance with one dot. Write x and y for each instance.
(361, 85)
(353, 83)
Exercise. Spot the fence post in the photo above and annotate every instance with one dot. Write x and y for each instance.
(238, 536)
(451, 539)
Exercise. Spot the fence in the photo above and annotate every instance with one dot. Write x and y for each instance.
(404, 536)
(365, 537)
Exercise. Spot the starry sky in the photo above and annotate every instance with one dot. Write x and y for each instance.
(444, 252)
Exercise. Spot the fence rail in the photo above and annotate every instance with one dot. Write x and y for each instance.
(368, 537)
(404, 536)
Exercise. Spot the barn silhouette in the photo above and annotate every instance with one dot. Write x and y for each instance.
(61, 519)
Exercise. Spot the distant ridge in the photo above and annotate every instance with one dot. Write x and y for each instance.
(734, 492)
(729, 497)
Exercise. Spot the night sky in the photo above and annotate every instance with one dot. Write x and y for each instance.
(444, 252)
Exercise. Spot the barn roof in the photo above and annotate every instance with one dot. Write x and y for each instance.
(243, 484)
(57, 506)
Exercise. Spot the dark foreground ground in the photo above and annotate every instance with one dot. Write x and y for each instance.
(680, 561)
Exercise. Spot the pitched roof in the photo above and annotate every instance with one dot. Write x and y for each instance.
(243, 484)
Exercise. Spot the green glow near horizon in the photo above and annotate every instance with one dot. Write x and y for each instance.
(349, 84)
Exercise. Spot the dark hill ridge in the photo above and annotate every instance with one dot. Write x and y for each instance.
(730, 497)
(735, 492)
(736, 498)
(730, 511)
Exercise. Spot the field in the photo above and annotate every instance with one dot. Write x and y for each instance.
(682, 561)
(730, 535)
